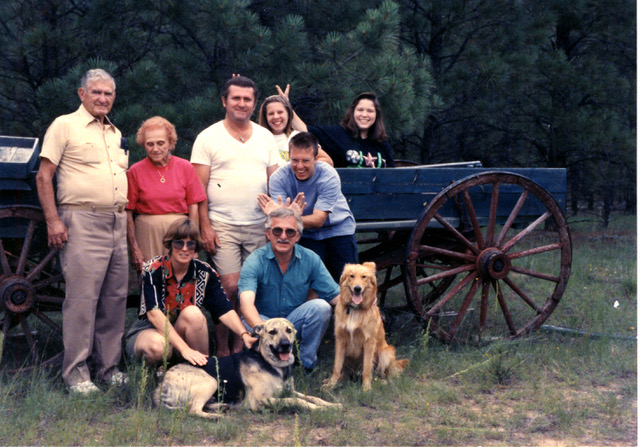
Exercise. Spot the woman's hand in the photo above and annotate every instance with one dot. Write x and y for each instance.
(284, 94)
(248, 340)
(137, 258)
(194, 357)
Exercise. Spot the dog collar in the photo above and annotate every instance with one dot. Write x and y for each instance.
(351, 306)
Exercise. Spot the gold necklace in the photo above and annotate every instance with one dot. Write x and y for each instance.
(162, 179)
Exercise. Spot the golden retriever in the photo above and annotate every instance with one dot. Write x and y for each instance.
(359, 332)
(265, 373)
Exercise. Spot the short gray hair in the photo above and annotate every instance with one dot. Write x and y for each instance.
(96, 74)
(283, 213)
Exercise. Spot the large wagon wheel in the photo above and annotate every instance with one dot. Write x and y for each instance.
(496, 275)
(31, 290)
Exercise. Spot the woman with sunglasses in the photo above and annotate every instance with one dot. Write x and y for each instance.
(174, 288)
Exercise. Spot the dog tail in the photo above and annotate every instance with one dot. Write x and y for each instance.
(399, 366)
(387, 363)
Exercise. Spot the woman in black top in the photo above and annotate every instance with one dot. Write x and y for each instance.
(360, 140)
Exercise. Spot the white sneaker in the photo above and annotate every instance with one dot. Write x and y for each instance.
(118, 378)
(85, 388)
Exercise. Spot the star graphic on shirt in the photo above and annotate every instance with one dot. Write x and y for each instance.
(369, 160)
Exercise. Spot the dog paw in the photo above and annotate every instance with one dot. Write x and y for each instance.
(328, 384)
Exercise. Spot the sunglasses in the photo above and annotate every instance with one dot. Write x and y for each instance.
(289, 232)
(179, 243)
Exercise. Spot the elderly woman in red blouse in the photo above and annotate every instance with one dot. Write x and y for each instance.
(162, 189)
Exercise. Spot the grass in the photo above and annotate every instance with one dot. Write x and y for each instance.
(548, 389)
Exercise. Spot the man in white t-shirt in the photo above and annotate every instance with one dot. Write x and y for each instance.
(234, 159)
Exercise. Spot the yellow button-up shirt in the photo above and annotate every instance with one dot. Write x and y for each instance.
(91, 166)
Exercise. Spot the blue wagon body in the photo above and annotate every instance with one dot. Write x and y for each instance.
(395, 198)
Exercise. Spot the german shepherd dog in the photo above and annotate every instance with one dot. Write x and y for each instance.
(264, 373)
(359, 332)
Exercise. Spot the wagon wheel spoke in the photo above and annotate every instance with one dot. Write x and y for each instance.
(26, 329)
(52, 280)
(450, 272)
(474, 219)
(505, 312)
(6, 325)
(534, 274)
(535, 251)
(484, 304)
(531, 259)
(4, 262)
(522, 294)
(524, 233)
(435, 308)
(463, 309)
(49, 300)
(423, 267)
(456, 233)
(35, 271)
(49, 322)
(26, 246)
(512, 217)
(426, 249)
(493, 210)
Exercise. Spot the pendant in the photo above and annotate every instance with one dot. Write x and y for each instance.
(162, 180)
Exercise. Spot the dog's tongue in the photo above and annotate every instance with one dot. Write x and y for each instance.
(356, 299)
(284, 356)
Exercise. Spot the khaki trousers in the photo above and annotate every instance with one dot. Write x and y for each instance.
(96, 271)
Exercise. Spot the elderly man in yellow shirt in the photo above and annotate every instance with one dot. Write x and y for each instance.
(89, 227)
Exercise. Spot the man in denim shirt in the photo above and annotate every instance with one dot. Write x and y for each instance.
(275, 281)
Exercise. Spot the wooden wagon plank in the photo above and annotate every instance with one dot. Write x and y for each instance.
(378, 195)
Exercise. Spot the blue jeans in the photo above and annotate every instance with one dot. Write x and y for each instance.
(311, 320)
(335, 252)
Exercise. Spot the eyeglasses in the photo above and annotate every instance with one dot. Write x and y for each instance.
(289, 232)
(179, 243)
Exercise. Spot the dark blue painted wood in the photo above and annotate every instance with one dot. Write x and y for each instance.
(402, 193)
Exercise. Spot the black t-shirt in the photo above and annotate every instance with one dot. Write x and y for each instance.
(349, 152)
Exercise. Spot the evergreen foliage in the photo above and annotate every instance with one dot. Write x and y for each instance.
(520, 83)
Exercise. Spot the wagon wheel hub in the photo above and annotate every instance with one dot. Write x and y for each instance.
(493, 264)
(16, 294)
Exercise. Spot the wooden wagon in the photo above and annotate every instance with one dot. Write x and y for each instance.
(480, 253)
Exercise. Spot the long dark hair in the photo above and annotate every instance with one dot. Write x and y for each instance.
(376, 132)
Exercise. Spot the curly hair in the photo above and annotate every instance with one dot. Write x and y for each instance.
(154, 123)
